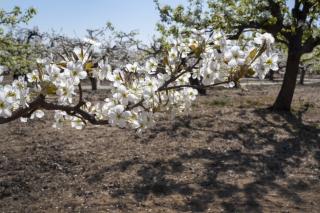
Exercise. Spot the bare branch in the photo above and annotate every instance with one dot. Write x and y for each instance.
(193, 86)
(310, 44)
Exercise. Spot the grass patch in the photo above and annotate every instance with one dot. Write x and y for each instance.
(220, 103)
(254, 103)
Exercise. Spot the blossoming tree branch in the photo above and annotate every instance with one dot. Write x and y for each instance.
(139, 92)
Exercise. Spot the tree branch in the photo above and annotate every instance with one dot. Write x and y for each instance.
(310, 44)
(193, 86)
(23, 112)
(40, 103)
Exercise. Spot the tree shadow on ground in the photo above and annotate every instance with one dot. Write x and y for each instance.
(241, 179)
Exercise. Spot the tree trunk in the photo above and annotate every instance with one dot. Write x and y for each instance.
(196, 82)
(302, 75)
(271, 75)
(94, 85)
(285, 96)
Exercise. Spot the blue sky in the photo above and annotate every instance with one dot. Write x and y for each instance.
(73, 17)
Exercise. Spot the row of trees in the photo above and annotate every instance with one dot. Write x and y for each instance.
(21, 47)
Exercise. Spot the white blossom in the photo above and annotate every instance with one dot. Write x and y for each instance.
(118, 116)
(234, 56)
(75, 72)
(76, 123)
(33, 76)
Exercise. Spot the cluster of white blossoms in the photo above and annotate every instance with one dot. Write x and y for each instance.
(228, 60)
(13, 96)
(268, 60)
(139, 92)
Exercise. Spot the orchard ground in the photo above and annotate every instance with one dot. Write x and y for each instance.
(229, 154)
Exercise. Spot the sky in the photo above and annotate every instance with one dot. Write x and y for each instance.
(73, 17)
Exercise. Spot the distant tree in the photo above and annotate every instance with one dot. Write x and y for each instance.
(17, 52)
(16, 16)
(309, 64)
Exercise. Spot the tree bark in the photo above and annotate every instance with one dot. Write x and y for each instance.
(94, 85)
(271, 75)
(302, 75)
(285, 96)
(196, 82)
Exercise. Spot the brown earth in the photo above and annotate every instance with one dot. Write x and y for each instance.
(230, 154)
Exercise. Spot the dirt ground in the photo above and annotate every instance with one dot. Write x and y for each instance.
(230, 154)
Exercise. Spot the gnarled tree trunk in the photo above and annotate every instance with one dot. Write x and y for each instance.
(285, 96)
